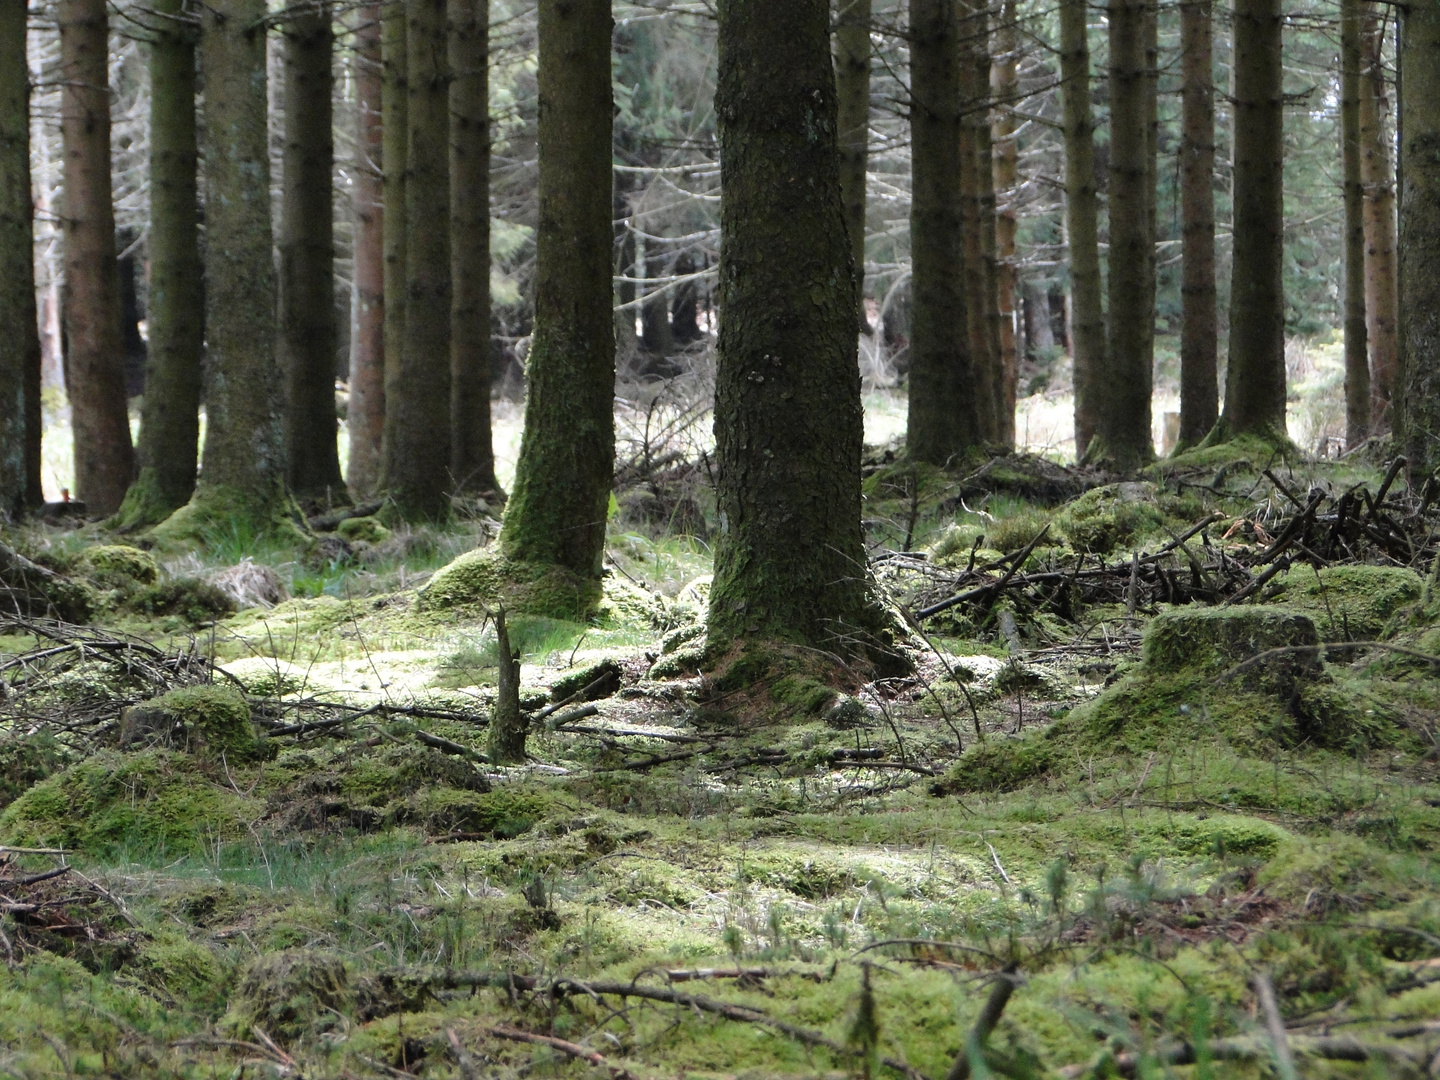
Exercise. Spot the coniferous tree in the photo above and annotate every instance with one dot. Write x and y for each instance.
(1005, 87)
(852, 88)
(394, 97)
(1381, 314)
(94, 357)
(365, 413)
(978, 243)
(1199, 341)
(1357, 356)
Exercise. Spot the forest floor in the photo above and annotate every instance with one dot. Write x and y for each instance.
(1143, 808)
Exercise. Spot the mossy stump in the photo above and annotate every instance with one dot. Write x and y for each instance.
(208, 721)
(1212, 641)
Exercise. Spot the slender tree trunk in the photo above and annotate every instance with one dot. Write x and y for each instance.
(556, 514)
(1151, 84)
(1005, 84)
(988, 276)
(170, 410)
(625, 269)
(852, 88)
(655, 335)
(394, 124)
(944, 416)
(307, 255)
(417, 400)
(977, 272)
(1199, 341)
(19, 324)
(508, 726)
(1255, 381)
(789, 562)
(94, 362)
(1082, 221)
(365, 415)
(472, 456)
(1357, 357)
(1420, 236)
(1122, 429)
(1379, 186)
(685, 308)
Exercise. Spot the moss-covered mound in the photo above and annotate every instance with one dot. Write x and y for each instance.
(1351, 603)
(291, 993)
(210, 721)
(118, 566)
(484, 579)
(1118, 516)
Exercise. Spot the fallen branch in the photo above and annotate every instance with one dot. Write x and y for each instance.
(574, 1050)
(1000, 991)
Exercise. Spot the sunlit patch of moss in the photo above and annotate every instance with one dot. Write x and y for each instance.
(117, 566)
(179, 972)
(484, 579)
(212, 721)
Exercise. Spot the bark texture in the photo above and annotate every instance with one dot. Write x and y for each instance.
(395, 139)
(1255, 380)
(1005, 90)
(1082, 220)
(94, 359)
(1199, 340)
(509, 726)
(308, 335)
(365, 414)
(472, 457)
(556, 514)
(19, 325)
(977, 222)
(417, 389)
(1357, 357)
(1378, 178)
(789, 562)
(852, 88)
(944, 414)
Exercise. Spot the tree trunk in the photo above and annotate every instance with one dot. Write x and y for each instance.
(1082, 221)
(789, 561)
(1379, 185)
(1122, 428)
(685, 308)
(852, 90)
(94, 361)
(1199, 379)
(1357, 357)
(1151, 84)
(556, 514)
(655, 335)
(1420, 236)
(417, 398)
(508, 727)
(18, 317)
(1255, 381)
(978, 244)
(307, 255)
(944, 415)
(394, 124)
(1005, 85)
(472, 457)
(365, 415)
(988, 276)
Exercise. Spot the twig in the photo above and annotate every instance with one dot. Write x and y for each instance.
(574, 1050)
(1000, 991)
(1279, 1041)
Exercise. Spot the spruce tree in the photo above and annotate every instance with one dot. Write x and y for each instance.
(1357, 355)
(1199, 377)
(852, 86)
(1381, 314)
(1005, 90)
(394, 97)
(365, 413)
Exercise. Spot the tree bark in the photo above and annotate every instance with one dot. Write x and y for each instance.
(472, 456)
(556, 514)
(1005, 87)
(1357, 357)
(94, 361)
(1255, 381)
(852, 89)
(655, 335)
(1420, 236)
(789, 561)
(394, 95)
(508, 727)
(308, 333)
(1378, 180)
(978, 227)
(1122, 428)
(1199, 340)
(19, 324)
(1082, 220)
(1003, 431)
(945, 400)
(365, 415)
(417, 399)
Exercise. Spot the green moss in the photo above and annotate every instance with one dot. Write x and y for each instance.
(1351, 603)
(291, 993)
(684, 660)
(117, 566)
(1245, 453)
(214, 513)
(26, 760)
(626, 606)
(1334, 872)
(498, 815)
(368, 530)
(1003, 764)
(192, 599)
(605, 672)
(1013, 531)
(484, 579)
(209, 721)
(1211, 640)
(180, 972)
(1113, 517)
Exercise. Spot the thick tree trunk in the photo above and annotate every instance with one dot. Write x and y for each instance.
(19, 325)
(308, 333)
(472, 456)
(1122, 428)
(1082, 221)
(1005, 86)
(944, 416)
(1199, 341)
(556, 514)
(365, 415)
(1381, 314)
(1255, 381)
(417, 399)
(1420, 236)
(789, 562)
(170, 410)
(394, 97)
(1357, 357)
(978, 244)
(94, 360)
(852, 89)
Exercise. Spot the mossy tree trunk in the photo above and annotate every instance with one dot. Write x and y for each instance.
(1420, 235)
(556, 514)
(1381, 314)
(18, 318)
(789, 562)
(1199, 340)
(1255, 380)
(852, 87)
(308, 334)
(365, 415)
(94, 357)
(169, 446)
(1082, 220)
(1005, 90)
(472, 456)
(1357, 356)
(395, 139)
(417, 395)
(944, 414)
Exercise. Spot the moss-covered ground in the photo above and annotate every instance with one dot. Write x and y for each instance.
(1114, 800)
